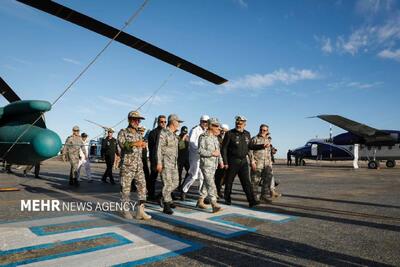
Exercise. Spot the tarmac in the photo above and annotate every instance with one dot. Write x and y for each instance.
(329, 214)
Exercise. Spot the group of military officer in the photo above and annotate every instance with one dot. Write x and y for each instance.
(214, 153)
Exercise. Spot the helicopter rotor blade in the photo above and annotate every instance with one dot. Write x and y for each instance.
(101, 28)
(8, 92)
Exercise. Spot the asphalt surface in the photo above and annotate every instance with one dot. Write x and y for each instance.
(341, 216)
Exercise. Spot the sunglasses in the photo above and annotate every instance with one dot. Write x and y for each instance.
(263, 130)
(163, 121)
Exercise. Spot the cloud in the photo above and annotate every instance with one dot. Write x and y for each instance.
(115, 102)
(72, 61)
(9, 67)
(354, 84)
(373, 7)
(21, 61)
(388, 54)
(241, 3)
(199, 83)
(325, 44)
(379, 32)
(258, 81)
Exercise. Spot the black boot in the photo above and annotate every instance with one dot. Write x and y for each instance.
(183, 196)
(254, 203)
(167, 208)
(71, 182)
(76, 182)
(172, 205)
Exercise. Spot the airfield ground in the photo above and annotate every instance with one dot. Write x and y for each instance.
(329, 214)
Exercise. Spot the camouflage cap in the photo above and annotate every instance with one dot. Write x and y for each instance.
(240, 118)
(214, 121)
(110, 130)
(174, 117)
(75, 128)
(135, 114)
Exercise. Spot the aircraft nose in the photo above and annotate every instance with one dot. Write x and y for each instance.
(47, 144)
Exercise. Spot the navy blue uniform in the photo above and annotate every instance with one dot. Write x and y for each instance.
(235, 149)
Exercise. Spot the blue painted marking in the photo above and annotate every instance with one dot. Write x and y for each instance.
(192, 247)
(120, 240)
(221, 219)
(40, 230)
(202, 229)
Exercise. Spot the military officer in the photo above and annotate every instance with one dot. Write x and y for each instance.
(220, 173)
(73, 146)
(235, 149)
(210, 160)
(261, 165)
(131, 144)
(183, 155)
(167, 160)
(152, 144)
(194, 158)
(108, 151)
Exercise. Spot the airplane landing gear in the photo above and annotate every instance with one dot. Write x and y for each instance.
(373, 164)
(390, 163)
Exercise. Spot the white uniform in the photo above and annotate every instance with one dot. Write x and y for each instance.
(85, 162)
(194, 159)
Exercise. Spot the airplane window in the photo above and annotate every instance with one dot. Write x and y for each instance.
(308, 144)
(361, 147)
(369, 148)
(390, 147)
(379, 147)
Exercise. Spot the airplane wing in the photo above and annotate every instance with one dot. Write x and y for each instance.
(354, 127)
(7, 92)
(101, 28)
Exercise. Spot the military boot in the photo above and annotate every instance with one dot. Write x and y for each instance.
(265, 199)
(215, 207)
(183, 196)
(167, 208)
(141, 214)
(126, 214)
(275, 194)
(200, 203)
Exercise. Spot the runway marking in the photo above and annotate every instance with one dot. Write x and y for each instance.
(216, 224)
(65, 248)
(89, 239)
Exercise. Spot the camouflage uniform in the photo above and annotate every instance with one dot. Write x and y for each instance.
(209, 143)
(131, 164)
(71, 151)
(167, 156)
(263, 161)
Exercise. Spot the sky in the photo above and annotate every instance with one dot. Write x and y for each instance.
(285, 61)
